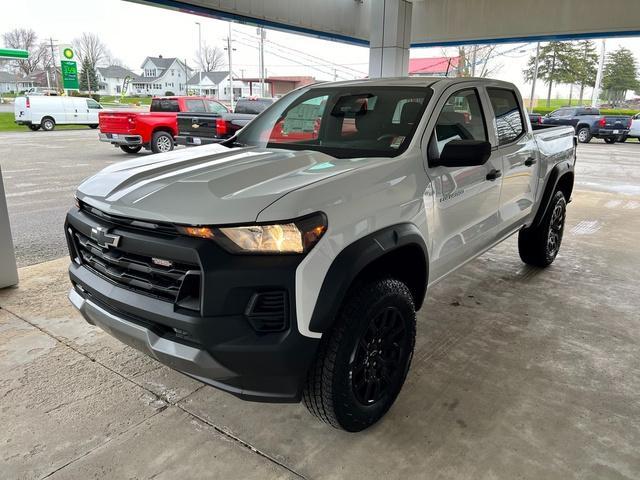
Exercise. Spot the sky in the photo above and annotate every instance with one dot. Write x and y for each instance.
(133, 31)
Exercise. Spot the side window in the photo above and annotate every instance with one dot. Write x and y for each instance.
(164, 105)
(215, 107)
(461, 118)
(507, 114)
(91, 103)
(195, 106)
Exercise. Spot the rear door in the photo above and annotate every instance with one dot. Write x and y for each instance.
(515, 145)
(466, 198)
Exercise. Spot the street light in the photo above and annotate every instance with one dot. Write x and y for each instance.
(199, 59)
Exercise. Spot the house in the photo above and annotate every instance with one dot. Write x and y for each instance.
(434, 66)
(161, 75)
(216, 84)
(277, 86)
(12, 82)
(111, 79)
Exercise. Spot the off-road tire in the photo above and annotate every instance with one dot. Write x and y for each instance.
(539, 246)
(610, 140)
(130, 149)
(333, 391)
(584, 135)
(48, 124)
(161, 142)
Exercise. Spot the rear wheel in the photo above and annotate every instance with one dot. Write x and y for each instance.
(130, 149)
(610, 140)
(34, 127)
(48, 124)
(161, 142)
(539, 246)
(363, 361)
(584, 135)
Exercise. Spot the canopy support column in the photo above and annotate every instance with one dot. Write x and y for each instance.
(390, 38)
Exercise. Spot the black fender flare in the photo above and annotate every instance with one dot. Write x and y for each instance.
(353, 259)
(557, 172)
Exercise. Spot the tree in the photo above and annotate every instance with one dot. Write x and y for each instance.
(88, 78)
(586, 65)
(210, 59)
(474, 61)
(88, 46)
(620, 75)
(554, 65)
(26, 39)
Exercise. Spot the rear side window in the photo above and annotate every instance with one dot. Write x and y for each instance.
(588, 111)
(195, 106)
(215, 107)
(507, 114)
(252, 106)
(164, 105)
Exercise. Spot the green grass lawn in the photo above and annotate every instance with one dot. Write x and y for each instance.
(7, 124)
(127, 100)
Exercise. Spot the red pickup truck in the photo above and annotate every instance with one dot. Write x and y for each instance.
(154, 130)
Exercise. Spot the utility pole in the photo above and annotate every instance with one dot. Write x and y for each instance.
(262, 35)
(229, 49)
(595, 97)
(53, 62)
(199, 57)
(473, 61)
(535, 77)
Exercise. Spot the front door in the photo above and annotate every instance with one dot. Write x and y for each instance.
(466, 198)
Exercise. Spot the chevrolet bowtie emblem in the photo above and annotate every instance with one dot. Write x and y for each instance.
(194, 124)
(103, 238)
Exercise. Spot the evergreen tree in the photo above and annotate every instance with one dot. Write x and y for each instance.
(586, 64)
(554, 65)
(88, 78)
(620, 75)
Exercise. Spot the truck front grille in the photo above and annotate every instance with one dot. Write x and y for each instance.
(160, 278)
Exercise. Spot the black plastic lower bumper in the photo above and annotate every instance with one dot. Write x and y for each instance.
(216, 343)
(610, 132)
(192, 141)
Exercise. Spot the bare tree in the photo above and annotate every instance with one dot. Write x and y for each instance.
(26, 39)
(110, 59)
(475, 60)
(210, 59)
(89, 46)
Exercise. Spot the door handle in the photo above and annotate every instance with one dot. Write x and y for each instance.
(493, 174)
(530, 161)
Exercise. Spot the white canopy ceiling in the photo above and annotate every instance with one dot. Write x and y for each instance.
(434, 22)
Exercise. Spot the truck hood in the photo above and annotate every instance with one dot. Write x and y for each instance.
(204, 185)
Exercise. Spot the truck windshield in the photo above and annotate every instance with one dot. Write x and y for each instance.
(344, 122)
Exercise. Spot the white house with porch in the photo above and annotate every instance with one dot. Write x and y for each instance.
(161, 75)
(216, 84)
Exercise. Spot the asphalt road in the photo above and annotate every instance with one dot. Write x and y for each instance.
(42, 169)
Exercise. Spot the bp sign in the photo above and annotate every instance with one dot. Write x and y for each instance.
(68, 67)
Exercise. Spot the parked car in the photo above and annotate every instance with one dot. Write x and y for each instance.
(46, 112)
(634, 129)
(154, 130)
(535, 118)
(34, 91)
(283, 271)
(589, 123)
(220, 124)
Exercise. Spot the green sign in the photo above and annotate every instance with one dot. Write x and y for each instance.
(69, 74)
(12, 53)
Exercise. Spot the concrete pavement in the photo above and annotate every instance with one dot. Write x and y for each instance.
(518, 373)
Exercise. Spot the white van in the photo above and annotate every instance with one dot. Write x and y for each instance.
(49, 111)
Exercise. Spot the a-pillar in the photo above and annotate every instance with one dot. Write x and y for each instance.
(390, 38)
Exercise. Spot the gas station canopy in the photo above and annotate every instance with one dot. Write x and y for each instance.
(390, 27)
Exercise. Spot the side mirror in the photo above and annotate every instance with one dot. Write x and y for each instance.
(464, 153)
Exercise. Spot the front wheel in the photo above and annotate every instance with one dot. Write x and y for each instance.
(161, 142)
(34, 128)
(129, 149)
(539, 246)
(93, 126)
(610, 140)
(363, 360)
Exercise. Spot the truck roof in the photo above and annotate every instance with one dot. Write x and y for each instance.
(414, 82)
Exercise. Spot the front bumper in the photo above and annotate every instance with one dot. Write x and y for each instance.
(121, 139)
(215, 341)
(192, 141)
